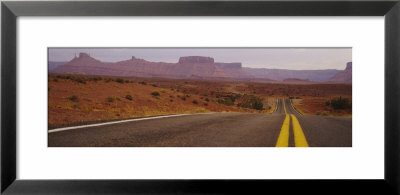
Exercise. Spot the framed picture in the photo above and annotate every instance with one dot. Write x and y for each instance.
(199, 97)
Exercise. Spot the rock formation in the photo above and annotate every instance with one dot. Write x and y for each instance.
(196, 67)
(196, 60)
(344, 76)
(234, 69)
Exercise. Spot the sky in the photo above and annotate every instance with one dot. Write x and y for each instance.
(281, 58)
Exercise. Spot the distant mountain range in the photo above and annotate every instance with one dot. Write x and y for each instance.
(195, 67)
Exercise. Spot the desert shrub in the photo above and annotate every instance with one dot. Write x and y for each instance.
(143, 83)
(110, 99)
(195, 102)
(207, 99)
(171, 100)
(258, 105)
(187, 95)
(234, 97)
(128, 97)
(244, 105)
(55, 80)
(183, 98)
(95, 79)
(205, 104)
(76, 79)
(119, 80)
(117, 98)
(155, 93)
(327, 103)
(228, 102)
(75, 106)
(252, 102)
(154, 85)
(80, 80)
(340, 103)
(73, 98)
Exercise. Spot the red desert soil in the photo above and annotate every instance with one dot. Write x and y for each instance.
(318, 106)
(82, 98)
(72, 101)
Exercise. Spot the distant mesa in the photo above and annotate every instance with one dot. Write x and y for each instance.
(195, 67)
(349, 66)
(234, 65)
(344, 76)
(196, 60)
(135, 58)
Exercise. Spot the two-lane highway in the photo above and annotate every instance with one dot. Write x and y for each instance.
(291, 132)
(324, 131)
(211, 130)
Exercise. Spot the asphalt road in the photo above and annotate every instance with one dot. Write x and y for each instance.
(323, 131)
(213, 130)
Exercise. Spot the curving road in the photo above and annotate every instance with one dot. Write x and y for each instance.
(321, 131)
(212, 130)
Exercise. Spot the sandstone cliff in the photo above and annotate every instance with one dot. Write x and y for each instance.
(344, 76)
(196, 67)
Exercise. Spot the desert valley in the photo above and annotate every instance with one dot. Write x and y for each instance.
(85, 90)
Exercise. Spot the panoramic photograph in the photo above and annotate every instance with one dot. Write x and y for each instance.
(200, 97)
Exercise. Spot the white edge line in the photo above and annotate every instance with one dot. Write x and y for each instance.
(116, 122)
(294, 107)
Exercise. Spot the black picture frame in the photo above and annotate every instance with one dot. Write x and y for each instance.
(11, 10)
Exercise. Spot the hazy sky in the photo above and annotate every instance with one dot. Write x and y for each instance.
(283, 58)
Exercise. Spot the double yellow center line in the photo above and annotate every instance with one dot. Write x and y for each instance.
(299, 137)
